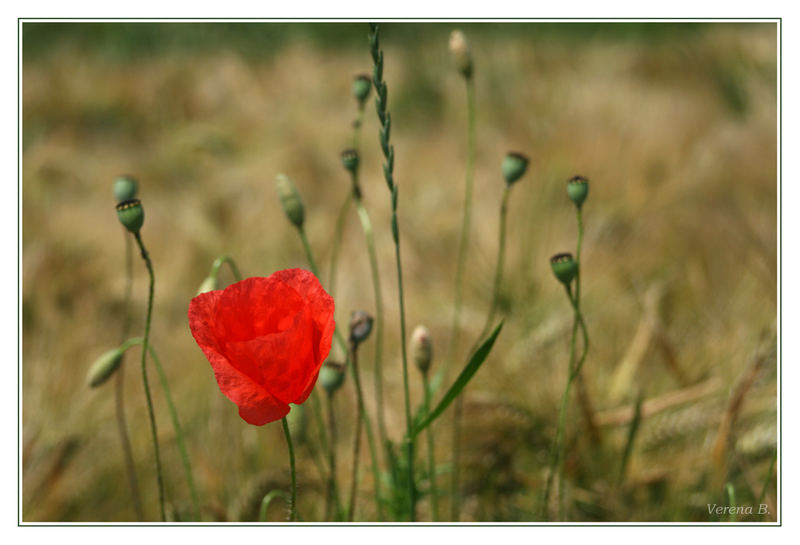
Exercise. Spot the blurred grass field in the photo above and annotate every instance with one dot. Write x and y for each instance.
(674, 124)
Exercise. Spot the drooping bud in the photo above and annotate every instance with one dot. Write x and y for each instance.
(350, 160)
(422, 348)
(361, 87)
(459, 48)
(297, 422)
(209, 284)
(578, 190)
(104, 366)
(360, 326)
(131, 214)
(564, 267)
(125, 188)
(514, 166)
(291, 202)
(331, 376)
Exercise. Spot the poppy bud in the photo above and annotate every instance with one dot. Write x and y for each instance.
(564, 267)
(104, 367)
(578, 189)
(360, 326)
(350, 159)
(125, 188)
(290, 200)
(361, 87)
(459, 48)
(421, 348)
(297, 422)
(209, 284)
(331, 376)
(131, 214)
(514, 166)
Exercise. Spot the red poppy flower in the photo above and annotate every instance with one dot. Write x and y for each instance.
(266, 339)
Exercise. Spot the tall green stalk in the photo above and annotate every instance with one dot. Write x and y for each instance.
(426, 384)
(462, 257)
(351, 509)
(119, 389)
(150, 292)
(293, 504)
(388, 169)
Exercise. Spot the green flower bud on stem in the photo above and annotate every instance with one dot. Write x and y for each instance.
(209, 284)
(564, 267)
(578, 190)
(350, 160)
(360, 326)
(459, 48)
(362, 84)
(331, 376)
(131, 214)
(290, 200)
(125, 188)
(104, 367)
(514, 166)
(422, 348)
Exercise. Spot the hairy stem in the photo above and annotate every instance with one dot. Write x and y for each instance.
(357, 438)
(293, 504)
(431, 454)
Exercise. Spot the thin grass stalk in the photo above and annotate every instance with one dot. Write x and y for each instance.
(293, 504)
(119, 389)
(431, 454)
(151, 413)
(463, 245)
(388, 169)
(340, 340)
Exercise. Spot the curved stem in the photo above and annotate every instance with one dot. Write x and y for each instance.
(293, 504)
(151, 289)
(431, 454)
(357, 438)
(215, 267)
(119, 389)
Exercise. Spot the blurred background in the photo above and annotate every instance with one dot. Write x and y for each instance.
(674, 124)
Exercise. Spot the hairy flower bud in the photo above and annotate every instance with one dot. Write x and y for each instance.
(291, 202)
(360, 326)
(459, 48)
(331, 376)
(209, 284)
(131, 214)
(564, 267)
(125, 188)
(104, 367)
(514, 166)
(361, 87)
(422, 348)
(578, 190)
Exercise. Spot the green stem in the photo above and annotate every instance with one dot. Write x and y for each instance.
(148, 320)
(357, 437)
(215, 267)
(337, 241)
(768, 478)
(332, 494)
(431, 454)
(119, 390)
(293, 504)
(341, 342)
(462, 256)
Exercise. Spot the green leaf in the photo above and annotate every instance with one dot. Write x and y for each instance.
(466, 375)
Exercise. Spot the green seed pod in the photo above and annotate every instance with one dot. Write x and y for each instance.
(350, 160)
(360, 326)
(514, 166)
(578, 190)
(125, 188)
(209, 284)
(421, 348)
(104, 367)
(331, 376)
(459, 48)
(290, 200)
(362, 84)
(297, 422)
(564, 267)
(131, 214)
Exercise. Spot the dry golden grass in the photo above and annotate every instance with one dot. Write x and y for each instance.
(678, 138)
